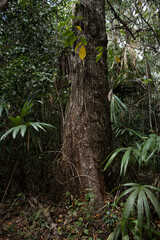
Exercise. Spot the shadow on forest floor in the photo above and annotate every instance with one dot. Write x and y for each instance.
(33, 219)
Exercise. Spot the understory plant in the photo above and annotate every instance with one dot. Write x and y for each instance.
(142, 153)
(136, 217)
(142, 205)
(24, 139)
(18, 123)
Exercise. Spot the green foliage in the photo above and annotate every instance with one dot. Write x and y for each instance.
(117, 109)
(79, 221)
(111, 216)
(22, 128)
(80, 212)
(31, 44)
(142, 193)
(33, 36)
(115, 234)
(25, 46)
(137, 207)
(141, 153)
(3, 106)
(139, 197)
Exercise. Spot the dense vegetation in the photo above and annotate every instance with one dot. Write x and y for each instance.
(35, 38)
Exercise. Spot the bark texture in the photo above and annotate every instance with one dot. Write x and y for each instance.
(86, 138)
(3, 5)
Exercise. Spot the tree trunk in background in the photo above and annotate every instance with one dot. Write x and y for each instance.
(87, 130)
(3, 5)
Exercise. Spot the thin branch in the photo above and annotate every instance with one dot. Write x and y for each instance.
(141, 98)
(155, 34)
(8, 184)
(120, 20)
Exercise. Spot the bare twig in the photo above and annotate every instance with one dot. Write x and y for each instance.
(8, 184)
(141, 98)
(120, 20)
(150, 27)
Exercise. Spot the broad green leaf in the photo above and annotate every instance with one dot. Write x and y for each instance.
(116, 234)
(6, 134)
(137, 154)
(82, 53)
(131, 184)
(70, 40)
(140, 208)
(25, 109)
(129, 205)
(15, 131)
(107, 158)
(23, 130)
(1, 110)
(153, 200)
(98, 56)
(73, 39)
(148, 146)
(146, 208)
(125, 160)
(84, 41)
(39, 126)
(34, 125)
(110, 160)
(126, 237)
(111, 236)
(152, 187)
(158, 142)
(153, 142)
(125, 193)
(150, 155)
(16, 121)
(119, 102)
(47, 125)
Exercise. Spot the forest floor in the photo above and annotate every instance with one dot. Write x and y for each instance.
(40, 218)
(32, 218)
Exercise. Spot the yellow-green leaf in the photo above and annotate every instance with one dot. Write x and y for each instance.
(82, 53)
(98, 56)
(140, 4)
(80, 29)
(117, 59)
(77, 46)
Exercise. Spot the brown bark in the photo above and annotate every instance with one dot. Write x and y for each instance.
(3, 5)
(86, 138)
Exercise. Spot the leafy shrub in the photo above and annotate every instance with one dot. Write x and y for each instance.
(136, 216)
(142, 152)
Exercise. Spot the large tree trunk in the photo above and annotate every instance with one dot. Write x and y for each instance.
(86, 139)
